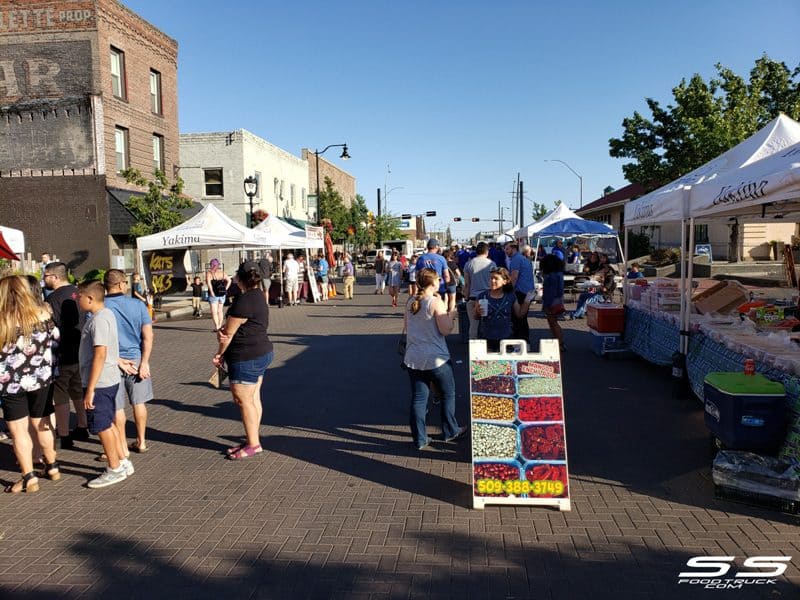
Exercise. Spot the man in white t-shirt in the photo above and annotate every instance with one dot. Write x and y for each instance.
(291, 271)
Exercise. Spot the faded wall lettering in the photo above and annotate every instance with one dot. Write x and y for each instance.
(45, 70)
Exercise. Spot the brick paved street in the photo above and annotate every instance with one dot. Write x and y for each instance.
(340, 505)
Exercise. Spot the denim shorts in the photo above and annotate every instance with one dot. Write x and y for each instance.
(216, 299)
(101, 417)
(248, 371)
(451, 289)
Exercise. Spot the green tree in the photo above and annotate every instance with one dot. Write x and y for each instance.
(331, 206)
(538, 211)
(358, 219)
(387, 227)
(159, 208)
(706, 119)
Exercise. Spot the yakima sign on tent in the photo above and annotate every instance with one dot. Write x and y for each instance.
(670, 203)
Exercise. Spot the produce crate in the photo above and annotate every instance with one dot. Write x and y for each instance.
(723, 297)
(605, 318)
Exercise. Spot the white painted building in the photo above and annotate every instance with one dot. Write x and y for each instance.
(215, 165)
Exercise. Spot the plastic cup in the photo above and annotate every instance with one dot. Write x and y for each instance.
(483, 305)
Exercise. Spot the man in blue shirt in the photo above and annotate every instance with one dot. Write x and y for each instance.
(497, 255)
(558, 250)
(433, 260)
(135, 332)
(521, 270)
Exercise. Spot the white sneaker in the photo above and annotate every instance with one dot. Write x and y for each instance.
(109, 477)
(128, 465)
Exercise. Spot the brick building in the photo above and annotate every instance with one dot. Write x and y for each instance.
(87, 88)
(343, 182)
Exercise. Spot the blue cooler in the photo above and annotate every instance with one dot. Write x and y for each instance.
(745, 412)
(605, 343)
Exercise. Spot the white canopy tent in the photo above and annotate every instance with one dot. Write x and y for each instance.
(768, 189)
(209, 228)
(670, 203)
(15, 239)
(559, 213)
(674, 201)
(281, 234)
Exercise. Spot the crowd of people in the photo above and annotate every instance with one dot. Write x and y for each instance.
(498, 284)
(88, 346)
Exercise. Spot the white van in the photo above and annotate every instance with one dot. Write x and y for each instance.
(387, 255)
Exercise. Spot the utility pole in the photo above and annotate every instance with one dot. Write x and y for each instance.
(377, 240)
(521, 205)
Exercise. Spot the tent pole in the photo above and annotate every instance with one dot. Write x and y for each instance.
(682, 286)
(625, 269)
(689, 277)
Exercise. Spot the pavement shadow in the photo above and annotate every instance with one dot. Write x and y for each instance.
(416, 564)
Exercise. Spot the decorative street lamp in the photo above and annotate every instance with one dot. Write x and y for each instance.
(317, 154)
(573, 172)
(251, 189)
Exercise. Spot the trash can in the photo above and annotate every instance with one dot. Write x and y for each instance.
(463, 322)
(745, 412)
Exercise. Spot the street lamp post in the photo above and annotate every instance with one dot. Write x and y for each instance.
(574, 172)
(317, 154)
(251, 189)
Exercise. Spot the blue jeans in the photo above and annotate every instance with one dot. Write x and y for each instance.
(584, 299)
(420, 382)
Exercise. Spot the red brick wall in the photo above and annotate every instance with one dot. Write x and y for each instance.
(145, 48)
(344, 183)
(67, 216)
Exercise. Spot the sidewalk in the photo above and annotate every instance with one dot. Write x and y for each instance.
(341, 505)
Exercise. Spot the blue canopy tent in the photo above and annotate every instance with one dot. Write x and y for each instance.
(581, 228)
(575, 227)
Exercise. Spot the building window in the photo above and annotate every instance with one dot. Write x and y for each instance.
(701, 234)
(118, 83)
(291, 194)
(121, 148)
(213, 182)
(303, 197)
(258, 187)
(158, 152)
(155, 92)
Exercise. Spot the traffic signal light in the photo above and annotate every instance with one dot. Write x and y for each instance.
(405, 216)
(456, 219)
(430, 213)
(475, 219)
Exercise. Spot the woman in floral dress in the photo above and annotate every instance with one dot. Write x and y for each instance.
(27, 339)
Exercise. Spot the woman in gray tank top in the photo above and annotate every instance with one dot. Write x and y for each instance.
(427, 358)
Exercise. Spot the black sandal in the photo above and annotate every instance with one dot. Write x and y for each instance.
(34, 487)
(52, 467)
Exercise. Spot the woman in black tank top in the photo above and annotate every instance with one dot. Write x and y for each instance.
(217, 282)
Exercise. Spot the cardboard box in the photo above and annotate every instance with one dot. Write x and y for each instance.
(724, 297)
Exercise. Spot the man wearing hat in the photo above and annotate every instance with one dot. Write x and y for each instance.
(433, 260)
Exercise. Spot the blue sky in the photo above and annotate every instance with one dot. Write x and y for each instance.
(457, 97)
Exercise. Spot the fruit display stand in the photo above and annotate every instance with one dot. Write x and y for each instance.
(519, 449)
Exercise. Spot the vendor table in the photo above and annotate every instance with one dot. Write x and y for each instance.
(651, 336)
(655, 338)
